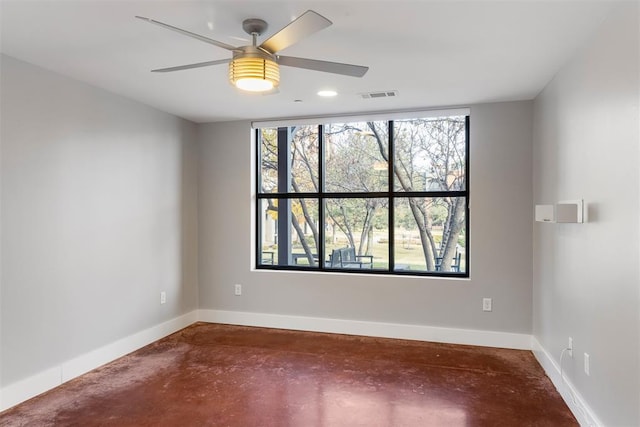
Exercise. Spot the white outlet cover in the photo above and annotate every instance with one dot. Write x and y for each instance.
(587, 368)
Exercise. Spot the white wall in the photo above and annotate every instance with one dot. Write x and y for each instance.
(98, 216)
(500, 239)
(586, 276)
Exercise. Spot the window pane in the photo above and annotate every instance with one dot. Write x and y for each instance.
(296, 244)
(268, 237)
(430, 234)
(430, 154)
(268, 160)
(356, 157)
(357, 233)
(304, 232)
(304, 159)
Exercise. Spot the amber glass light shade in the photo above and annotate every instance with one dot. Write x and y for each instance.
(254, 74)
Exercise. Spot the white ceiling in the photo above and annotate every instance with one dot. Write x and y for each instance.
(434, 53)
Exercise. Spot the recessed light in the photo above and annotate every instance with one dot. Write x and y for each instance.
(327, 93)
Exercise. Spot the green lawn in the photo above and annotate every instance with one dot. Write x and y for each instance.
(408, 251)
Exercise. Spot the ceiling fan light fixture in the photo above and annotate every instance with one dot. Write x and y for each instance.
(256, 68)
(254, 74)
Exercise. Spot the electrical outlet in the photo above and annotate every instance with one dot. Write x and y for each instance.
(570, 347)
(586, 364)
(163, 297)
(486, 304)
(238, 289)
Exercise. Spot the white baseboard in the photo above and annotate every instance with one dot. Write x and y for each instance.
(372, 329)
(29, 387)
(39, 383)
(581, 410)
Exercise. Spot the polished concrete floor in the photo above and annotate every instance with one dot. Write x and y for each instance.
(220, 375)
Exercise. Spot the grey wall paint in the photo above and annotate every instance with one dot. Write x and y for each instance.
(98, 215)
(500, 239)
(586, 276)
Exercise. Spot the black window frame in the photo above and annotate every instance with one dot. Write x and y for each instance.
(322, 195)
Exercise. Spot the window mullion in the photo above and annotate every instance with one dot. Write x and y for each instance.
(284, 205)
(391, 189)
(321, 219)
(258, 184)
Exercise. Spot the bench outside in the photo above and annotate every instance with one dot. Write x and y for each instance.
(347, 258)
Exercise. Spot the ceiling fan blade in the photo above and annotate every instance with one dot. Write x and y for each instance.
(303, 26)
(190, 66)
(189, 33)
(324, 66)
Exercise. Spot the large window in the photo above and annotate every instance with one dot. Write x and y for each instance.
(369, 197)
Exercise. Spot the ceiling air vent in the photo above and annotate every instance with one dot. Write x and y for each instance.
(379, 94)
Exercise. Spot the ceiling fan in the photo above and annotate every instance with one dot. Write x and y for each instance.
(254, 67)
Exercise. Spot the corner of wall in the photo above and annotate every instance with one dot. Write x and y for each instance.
(574, 400)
